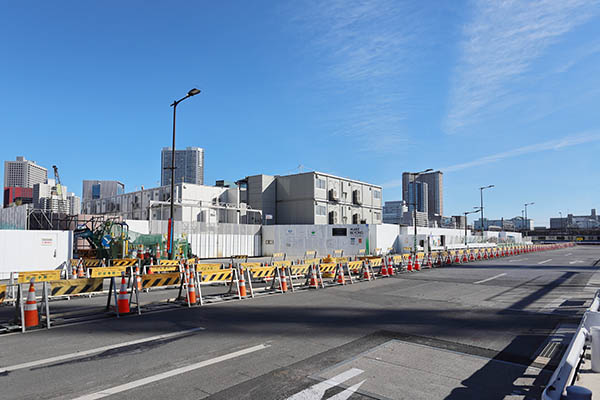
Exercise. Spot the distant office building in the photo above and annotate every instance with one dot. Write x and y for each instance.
(409, 218)
(189, 166)
(434, 203)
(512, 224)
(576, 221)
(19, 178)
(95, 189)
(313, 198)
(74, 204)
(23, 173)
(48, 196)
(418, 196)
(393, 211)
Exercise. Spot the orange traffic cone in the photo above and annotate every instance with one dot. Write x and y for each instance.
(313, 280)
(30, 308)
(80, 273)
(384, 271)
(366, 274)
(409, 266)
(390, 265)
(242, 283)
(123, 299)
(192, 290)
(417, 266)
(340, 272)
(74, 272)
(471, 256)
(429, 261)
(284, 287)
(138, 278)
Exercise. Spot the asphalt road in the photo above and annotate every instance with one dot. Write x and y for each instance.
(473, 331)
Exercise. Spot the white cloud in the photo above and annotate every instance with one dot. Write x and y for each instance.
(501, 42)
(363, 48)
(557, 144)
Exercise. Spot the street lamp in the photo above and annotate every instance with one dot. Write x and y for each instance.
(561, 221)
(414, 176)
(191, 93)
(481, 189)
(526, 224)
(467, 213)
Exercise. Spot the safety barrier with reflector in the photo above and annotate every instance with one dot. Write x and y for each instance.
(107, 272)
(2, 293)
(163, 268)
(285, 263)
(209, 267)
(92, 262)
(310, 254)
(39, 276)
(327, 269)
(76, 286)
(262, 272)
(217, 276)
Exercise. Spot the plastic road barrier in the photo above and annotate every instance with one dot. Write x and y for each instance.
(39, 276)
(76, 286)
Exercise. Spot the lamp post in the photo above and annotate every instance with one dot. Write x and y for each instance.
(414, 176)
(526, 224)
(481, 189)
(467, 213)
(561, 221)
(191, 93)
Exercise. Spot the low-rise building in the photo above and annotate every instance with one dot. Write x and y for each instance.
(313, 198)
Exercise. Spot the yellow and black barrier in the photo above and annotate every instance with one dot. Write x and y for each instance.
(76, 286)
(2, 293)
(217, 276)
(157, 280)
(169, 262)
(92, 262)
(262, 272)
(209, 267)
(355, 266)
(124, 262)
(39, 276)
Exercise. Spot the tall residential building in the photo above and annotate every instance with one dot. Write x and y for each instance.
(94, 189)
(435, 192)
(23, 173)
(189, 166)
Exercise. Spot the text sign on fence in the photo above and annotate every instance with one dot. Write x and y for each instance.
(39, 276)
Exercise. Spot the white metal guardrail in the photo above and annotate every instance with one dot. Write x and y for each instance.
(564, 374)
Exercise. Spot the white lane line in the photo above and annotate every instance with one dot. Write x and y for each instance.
(169, 374)
(316, 392)
(346, 394)
(489, 279)
(575, 262)
(520, 259)
(545, 261)
(96, 350)
(568, 254)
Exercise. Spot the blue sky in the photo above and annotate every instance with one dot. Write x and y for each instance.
(502, 93)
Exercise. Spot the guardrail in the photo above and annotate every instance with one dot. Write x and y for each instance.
(565, 373)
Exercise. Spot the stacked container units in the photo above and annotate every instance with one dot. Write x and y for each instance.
(319, 198)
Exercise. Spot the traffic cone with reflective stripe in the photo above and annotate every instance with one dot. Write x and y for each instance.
(429, 261)
(192, 289)
(366, 273)
(242, 283)
(340, 272)
(313, 279)
(30, 308)
(390, 266)
(409, 266)
(283, 278)
(456, 258)
(80, 272)
(384, 271)
(417, 266)
(123, 299)
(471, 256)
(138, 278)
(74, 271)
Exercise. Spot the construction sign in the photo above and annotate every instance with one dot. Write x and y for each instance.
(39, 276)
(164, 268)
(76, 286)
(107, 272)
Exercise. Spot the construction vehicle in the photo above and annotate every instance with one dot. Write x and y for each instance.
(110, 240)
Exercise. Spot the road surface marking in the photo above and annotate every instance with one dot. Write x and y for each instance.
(348, 392)
(520, 259)
(545, 261)
(169, 374)
(84, 353)
(316, 392)
(575, 262)
(489, 279)
(568, 254)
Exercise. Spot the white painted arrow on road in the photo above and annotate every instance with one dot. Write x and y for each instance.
(316, 392)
